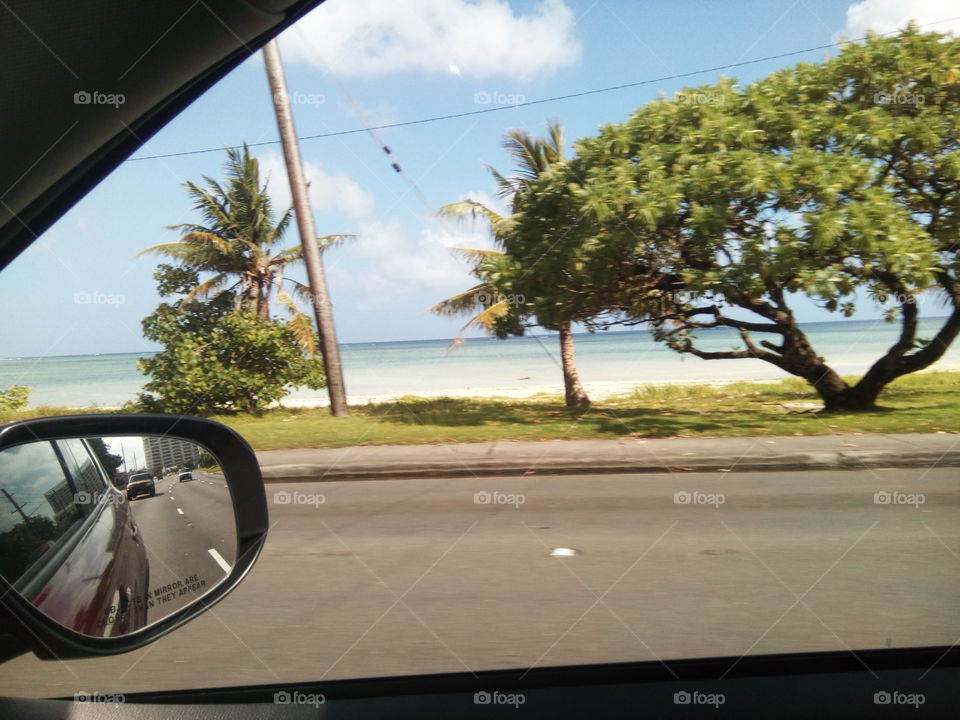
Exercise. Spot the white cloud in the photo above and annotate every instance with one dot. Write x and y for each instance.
(397, 264)
(385, 259)
(334, 191)
(890, 15)
(481, 38)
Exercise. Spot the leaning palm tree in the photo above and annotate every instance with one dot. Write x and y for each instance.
(238, 244)
(483, 302)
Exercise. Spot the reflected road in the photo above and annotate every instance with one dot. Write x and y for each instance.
(189, 533)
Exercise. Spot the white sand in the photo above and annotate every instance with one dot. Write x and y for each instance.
(597, 391)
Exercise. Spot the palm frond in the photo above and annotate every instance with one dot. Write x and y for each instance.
(299, 323)
(469, 210)
(485, 320)
(211, 286)
(301, 291)
(476, 256)
(330, 241)
(468, 301)
(238, 237)
(507, 187)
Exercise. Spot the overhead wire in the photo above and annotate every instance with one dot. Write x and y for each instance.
(530, 103)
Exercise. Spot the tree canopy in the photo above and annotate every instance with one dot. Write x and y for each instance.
(716, 208)
(218, 358)
(238, 244)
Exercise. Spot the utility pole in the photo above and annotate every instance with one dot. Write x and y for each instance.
(308, 236)
(16, 507)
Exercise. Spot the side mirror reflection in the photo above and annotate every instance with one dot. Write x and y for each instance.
(109, 535)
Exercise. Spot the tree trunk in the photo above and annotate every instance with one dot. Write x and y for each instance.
(895, 363)
(574, 393)
(801, 359)
(322, 307)
(796, 355)
(252, 299)
(857, 397)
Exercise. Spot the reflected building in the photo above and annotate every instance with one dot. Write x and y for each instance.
(62, 501)
(166, 452)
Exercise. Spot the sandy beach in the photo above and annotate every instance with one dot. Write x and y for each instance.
(598, 391)
(522, 368)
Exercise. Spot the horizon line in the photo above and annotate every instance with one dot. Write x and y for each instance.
(544, 333)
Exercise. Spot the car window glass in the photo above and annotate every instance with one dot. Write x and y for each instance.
(39, 506)
(611, 322)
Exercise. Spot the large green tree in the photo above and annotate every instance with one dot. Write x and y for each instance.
(838, 181)
(496, 312)
(238, 244)
(217, 357)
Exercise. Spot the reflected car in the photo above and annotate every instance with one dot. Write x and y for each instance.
(79, 557)
(141, 484)
(186, 475)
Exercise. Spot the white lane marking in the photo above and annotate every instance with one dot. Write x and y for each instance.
(224, 565)
(171, 497)
(180, 511)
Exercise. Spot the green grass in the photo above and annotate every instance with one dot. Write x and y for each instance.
(927, 402)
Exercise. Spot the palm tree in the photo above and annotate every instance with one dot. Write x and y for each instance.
(238, 244)
(532, 156)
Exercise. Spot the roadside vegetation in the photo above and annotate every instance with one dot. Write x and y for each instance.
(835, 182)
(923, 403)
(723, 206)
(14, 398)
(224, 350)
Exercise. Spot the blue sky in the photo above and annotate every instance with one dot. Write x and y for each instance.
(79, 290)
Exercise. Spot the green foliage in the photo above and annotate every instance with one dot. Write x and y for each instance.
(237, 246)
(822, 179)
(920, 403)
(217, 358)
(491, 304)
(14, 398)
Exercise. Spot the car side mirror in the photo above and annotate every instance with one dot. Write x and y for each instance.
(102, 549)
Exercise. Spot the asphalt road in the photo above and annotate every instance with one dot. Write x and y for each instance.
(189, 533)
(412, 576)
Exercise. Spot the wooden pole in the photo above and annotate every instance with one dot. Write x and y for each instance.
(308, 236)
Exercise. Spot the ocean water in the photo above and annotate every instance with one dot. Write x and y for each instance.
(482, 363)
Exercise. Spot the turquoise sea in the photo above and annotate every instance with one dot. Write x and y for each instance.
(481, 363)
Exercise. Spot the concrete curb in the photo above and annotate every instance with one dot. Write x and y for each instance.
(544, 465)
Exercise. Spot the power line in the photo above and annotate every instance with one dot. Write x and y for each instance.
(542, 101)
